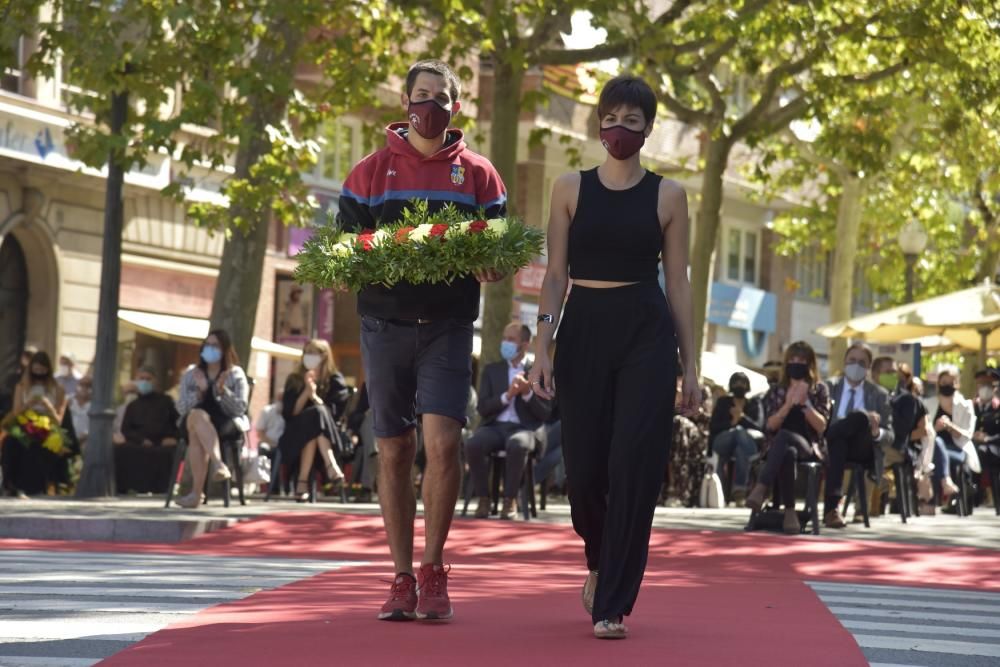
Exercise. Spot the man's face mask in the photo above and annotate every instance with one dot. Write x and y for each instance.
(428, 119)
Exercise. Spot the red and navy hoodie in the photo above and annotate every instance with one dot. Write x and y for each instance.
(378, 190)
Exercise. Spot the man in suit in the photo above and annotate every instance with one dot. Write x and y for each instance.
(510, 414)
(860, 428)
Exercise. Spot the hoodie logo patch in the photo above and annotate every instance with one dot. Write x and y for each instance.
(457, 174)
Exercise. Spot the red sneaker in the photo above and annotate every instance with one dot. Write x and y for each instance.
(402, 602)
(432, 587)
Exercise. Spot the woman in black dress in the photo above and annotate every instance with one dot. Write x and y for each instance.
(617, 364)
(314, 399)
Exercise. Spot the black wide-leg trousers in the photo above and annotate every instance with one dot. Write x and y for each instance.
(616, 377)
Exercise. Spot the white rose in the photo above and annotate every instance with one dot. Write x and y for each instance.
(347, 239)
(420, 232)
(380, 236)
(497, 225)
(342, 249)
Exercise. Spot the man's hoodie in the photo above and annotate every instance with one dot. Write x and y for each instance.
(379, 189)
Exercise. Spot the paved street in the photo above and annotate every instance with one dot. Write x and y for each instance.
(71, 609)
(922, 594)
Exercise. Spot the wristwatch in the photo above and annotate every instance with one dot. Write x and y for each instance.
(546, 317)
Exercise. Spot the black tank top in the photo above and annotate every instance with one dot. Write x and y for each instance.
(615, 234)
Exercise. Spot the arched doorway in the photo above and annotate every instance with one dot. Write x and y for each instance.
(13, 315)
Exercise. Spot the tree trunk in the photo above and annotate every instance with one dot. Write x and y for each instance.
(237, 291)
(503, 153)
(705, 236)
(849, 210)
(98, 476)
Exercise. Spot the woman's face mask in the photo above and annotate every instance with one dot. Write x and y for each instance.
(212, 354)
(797, 371)
(621, 142)
(311, 361)
(985, 393)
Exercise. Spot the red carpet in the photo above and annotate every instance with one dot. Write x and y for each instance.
(708, 598)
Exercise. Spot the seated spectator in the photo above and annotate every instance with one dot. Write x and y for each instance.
(510, 413)
(314, 399)
(364, 466)
(983, 399)
(270, 424)
(33, 455)
(737, 425)
(796, 412)
(149, 432)
(10, 381)
(911, 432)
(213, 405)
(687, 467)
(987, 435)
(953, 422)
(68, 376)
(859, 431)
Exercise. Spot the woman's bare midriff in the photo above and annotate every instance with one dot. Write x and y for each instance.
(602, 284)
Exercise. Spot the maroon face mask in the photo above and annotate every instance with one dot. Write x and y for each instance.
(428, 118)
(621, 142)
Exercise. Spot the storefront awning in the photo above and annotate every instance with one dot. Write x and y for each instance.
(192, 330)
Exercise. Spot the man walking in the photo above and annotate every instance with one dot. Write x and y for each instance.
(511, 412)
(416, 340)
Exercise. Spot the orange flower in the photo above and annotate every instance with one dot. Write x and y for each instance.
(403, 234)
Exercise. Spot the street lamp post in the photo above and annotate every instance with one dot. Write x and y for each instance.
(912, 241)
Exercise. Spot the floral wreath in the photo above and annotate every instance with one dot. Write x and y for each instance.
(423, 247)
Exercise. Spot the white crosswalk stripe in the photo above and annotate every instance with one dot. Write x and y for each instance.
(911, 626)
(71, 609)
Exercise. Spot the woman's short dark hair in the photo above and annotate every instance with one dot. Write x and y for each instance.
(629, 91)
(738, 377)
(229, 356)
(434, 67)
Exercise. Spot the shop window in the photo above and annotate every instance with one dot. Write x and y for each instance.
(742, 253)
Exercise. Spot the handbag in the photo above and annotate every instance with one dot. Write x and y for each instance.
(256, 469)
(711, 495)
(343, 445)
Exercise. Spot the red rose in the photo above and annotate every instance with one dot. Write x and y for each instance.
(439, 230)
(478, 227)
(403, 234)
(367, 239)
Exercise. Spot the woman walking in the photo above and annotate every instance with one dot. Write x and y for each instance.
(616, 366)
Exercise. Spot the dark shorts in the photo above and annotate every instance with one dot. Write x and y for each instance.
(415, 369)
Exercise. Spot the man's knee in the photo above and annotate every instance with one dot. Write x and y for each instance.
(398, 451)
(523, 441)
